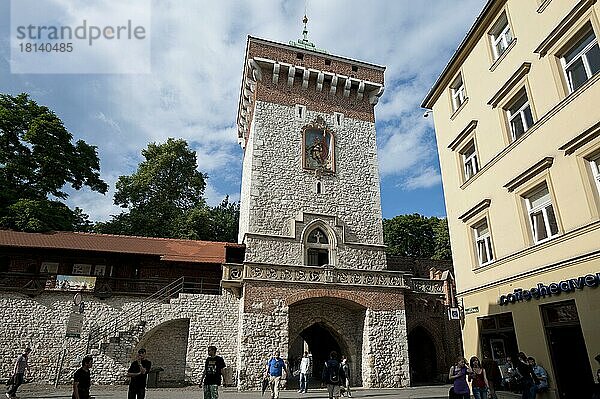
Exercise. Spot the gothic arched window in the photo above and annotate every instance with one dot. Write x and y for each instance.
(317, 248)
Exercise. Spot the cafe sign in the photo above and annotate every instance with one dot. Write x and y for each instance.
(543, 290)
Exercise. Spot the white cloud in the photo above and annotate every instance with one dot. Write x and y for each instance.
(197, 56)
(426, 178)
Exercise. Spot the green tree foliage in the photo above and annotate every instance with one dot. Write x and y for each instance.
(164, 198)
(441, 236)
(37, 161)
(417, 236)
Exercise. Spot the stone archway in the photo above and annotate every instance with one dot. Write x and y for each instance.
(166, 346)
(325, 324)
(422, 356)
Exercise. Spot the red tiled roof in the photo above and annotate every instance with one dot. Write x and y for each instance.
(167, 248)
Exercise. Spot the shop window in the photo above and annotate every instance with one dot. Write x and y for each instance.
(581, 60)
(498, 338)
(542, 217)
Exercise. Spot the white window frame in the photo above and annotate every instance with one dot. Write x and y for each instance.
(83, 269)
(582, 55)
(459, 95)
(543, 207)
(469, 159)
(99, 270)
(520, 113)
(595, 166)
(483, 242)
(500, 34)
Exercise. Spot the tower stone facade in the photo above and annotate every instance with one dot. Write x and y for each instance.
(314, 274)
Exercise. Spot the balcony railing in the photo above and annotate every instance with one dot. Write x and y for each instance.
(235, 274)
(35, 283)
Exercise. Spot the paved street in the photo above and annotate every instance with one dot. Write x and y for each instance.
(114, 392)
(120, 392)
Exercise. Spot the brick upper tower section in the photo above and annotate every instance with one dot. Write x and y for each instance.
(287, 75)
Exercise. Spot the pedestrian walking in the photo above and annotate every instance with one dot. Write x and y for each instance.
(138, 374)
(492, 372)
(21, 367)
(212, 376)
(274, 371)
(82, 380)
(478, 378)
(333, 375)
(346, 370)
(458, 376)
(304, 367)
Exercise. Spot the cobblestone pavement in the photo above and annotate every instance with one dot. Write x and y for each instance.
(120, 392)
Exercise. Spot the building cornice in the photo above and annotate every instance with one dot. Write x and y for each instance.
(510, 84)
(563, 26)
(529, 174)
(582, 139)
(483, 20)
(462, 135)
(465, 217)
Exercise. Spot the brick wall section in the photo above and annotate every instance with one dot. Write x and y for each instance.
(268, 295)
(288, 54)
(322, 101)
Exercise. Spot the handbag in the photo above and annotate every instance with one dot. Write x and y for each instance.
(10, 381)
(451, 394)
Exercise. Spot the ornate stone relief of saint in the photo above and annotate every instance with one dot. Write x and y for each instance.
(318, 148)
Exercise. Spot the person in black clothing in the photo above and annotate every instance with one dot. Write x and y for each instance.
(138, 372)
(529, 380)
(82, 380)
(212, 376)
(333, 375)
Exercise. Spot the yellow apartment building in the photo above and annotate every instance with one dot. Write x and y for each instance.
(517, 120)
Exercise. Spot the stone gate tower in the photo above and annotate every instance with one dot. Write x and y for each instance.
(314, 274)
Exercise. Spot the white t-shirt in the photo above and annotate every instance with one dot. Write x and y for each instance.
(304, 365)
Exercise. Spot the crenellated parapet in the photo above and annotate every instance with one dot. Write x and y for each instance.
(288, 75)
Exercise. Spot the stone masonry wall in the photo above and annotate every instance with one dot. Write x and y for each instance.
(274, 314)
(385, 357)
(40, 323)
(169, 343)
(352, 194)
(277, 250)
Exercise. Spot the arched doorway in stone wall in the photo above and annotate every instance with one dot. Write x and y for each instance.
(324, 324)
(166, 347)
(422, 357)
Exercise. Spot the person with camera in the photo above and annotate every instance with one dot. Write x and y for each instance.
(458, 377)
(138, 372)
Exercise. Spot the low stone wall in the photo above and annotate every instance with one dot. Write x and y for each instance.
(40, 322)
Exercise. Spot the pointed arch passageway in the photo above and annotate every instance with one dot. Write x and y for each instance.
(322, 325)
(422, 357)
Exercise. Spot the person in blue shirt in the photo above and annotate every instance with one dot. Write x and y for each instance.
(274, 371)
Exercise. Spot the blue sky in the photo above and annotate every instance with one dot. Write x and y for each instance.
(197, 52)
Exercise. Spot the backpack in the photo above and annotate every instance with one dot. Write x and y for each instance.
(333, 372)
